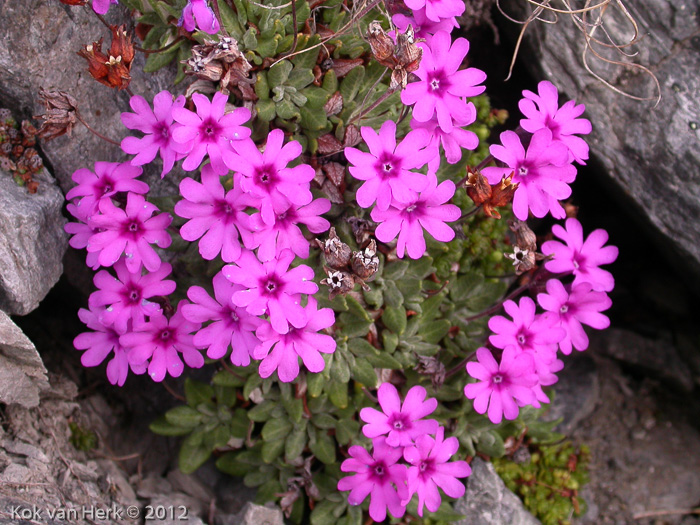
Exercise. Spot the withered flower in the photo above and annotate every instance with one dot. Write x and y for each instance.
(402, 58)
(336, 253)
(338, 282)
(365, 263)
(73, 2)
(112, 70)
(433, 367)
(524, 254)
(524, 237)
(489, 197)
(478, 188)
(523, 260)
(221, 61)
(61, 114)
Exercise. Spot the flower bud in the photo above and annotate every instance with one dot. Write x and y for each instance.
(365, 263)
(336, 253)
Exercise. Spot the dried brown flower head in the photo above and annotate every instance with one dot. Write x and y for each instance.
(336, 253)
(488, 196)
(61, 113)
(112, 70)
(365, 263)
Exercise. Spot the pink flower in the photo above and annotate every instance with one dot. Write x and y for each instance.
(281, 352)
(582, 258)
(581, 306)
(436, 10)
(209, 131)
(157, 124)
(267, 176)
(218, 218)
(500, 386)
(378, 475)
(107, 179)
(231, 325)
(442, 86)
(101, 7)
(544, 173)
(272, 288)
(430, 469)
(162, 340)
(402, 423)
(452, 142)
(205, 19)
(387, 167)
(81, 231)
(543, 111)
(284, 233)
(99, 343)
(423, 27)
(407, 220)
(527, 331)
(130, 232)
(127, 295)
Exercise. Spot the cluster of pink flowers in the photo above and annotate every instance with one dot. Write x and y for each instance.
(427, 17)
(399, 432)
(530, 341)
(545, 170)
(119, 229)
(263, 211)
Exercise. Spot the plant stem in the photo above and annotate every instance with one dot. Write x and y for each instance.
(460, 365)
(479, 167)
(217, 14)
(161, 50)
(376, 103)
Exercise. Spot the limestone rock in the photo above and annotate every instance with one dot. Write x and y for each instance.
(32, 243)
(651, 153)
(22, 373)
(253, 514)
(489, 502)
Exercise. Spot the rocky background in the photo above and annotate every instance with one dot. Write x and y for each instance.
(632, 397)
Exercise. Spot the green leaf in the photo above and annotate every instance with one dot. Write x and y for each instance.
(395, 270)
(156, 61)
(351, 83)
(363, 372)
(225, 378)
(295, 444)
(435, 331)
(266, 109)
(239, 423)
(394, 318)
(286, 109)
(253, 382)
(193, 453)
(323, 513)
(421, 268)
(338, 393)
(323, 447)
(307, 60)
(262, 412)
(276, 429)
(294, 407)
(340, 370)
(161, 427)
(361, 347)
(250, 39)
(346, 430)
(258, 477)
(271, 450)
(300, 78)
(279, 73)
(183, 416)
(196, 392)
(314, 384)
(313, 119)
(267, 47)
(390, 340)
(316, 97)
(384, 360)
(268, 492)
(392, 296)
(233, 463)
(330, 82)
(229, 20)
(324, 421)
(262, 87)
(491, 444)
(225, 396)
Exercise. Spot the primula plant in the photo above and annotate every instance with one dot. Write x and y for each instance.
(346, 255)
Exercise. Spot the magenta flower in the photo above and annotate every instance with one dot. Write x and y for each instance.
(231, 325)
(582, 258)
(437, 10)
(281, 352)
(500, 386)
(162, 340)
(581, 306)
(272, 288)
(81, 231)
(452, 142)
(127, 295)
(209, 131)
(107, 179)
(157, 124)
(198, 15)
(131, 232)
(527, 331)
(544, 173)
(386, 169)
(442, 86)
(284, 233)
(542, 111)
(267, 176)
(423, 27)
(407, 220)
(430, 469)
(402, 423)
(378, 475)
(101, 7)
(218, 218)
(99, 343)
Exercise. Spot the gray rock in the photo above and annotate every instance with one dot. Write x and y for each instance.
(253, 514)
(22, 373)
(651, 153)
(38, 49)
(32, 243)
(657, 357)
(489, 502)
